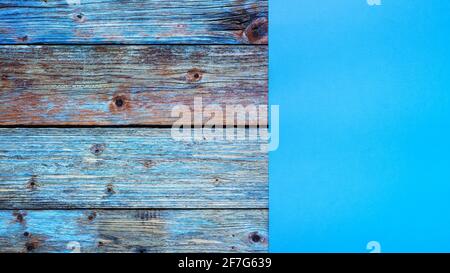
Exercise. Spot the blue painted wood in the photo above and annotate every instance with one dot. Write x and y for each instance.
(80, 85)
(134, 231)
(92, 170)
(134, 21)
(55, 168)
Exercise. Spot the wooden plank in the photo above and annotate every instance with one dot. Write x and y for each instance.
(82, 85)
(134, 231)
(46, 168)
(134, 21)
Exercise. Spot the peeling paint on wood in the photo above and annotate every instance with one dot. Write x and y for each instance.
(134, 231)
(128, 167)
(116, 85)
(134, 21)
(105, 63)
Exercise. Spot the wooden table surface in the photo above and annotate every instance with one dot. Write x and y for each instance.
(87, 160)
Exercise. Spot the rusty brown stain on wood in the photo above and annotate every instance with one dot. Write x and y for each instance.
(110, 189)
(22, 38)
(56, 85)
(89, 172)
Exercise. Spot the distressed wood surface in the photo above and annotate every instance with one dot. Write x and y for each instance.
(128, 168)
(134, 21)
(130, 189)
(123, 85)
(134, 231)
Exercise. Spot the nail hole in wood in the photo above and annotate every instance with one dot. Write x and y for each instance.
(32, 244)
(32, 183)
(79, 17)
(120, 103)
(23, 38)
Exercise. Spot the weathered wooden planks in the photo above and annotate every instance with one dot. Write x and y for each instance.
(82, 85)
(128, 168)
(134, 21)
(134, 231)
(130, 189)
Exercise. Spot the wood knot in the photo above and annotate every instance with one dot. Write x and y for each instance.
(4, 77)
(141, 250)
(92, 216)
(119, 103)
(79, 17)
(100, 244)
(20, 217)
(110, 189)
(148, 163)
(32, 183)
(97, 149)
(257, 31)
(194, 75)
(32, 244)
(216, 181)
(26, 234)
(255, 237)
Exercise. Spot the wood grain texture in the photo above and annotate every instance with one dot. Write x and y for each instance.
(134, 21)
(42, 168)
(81, 85)
(134, 231)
